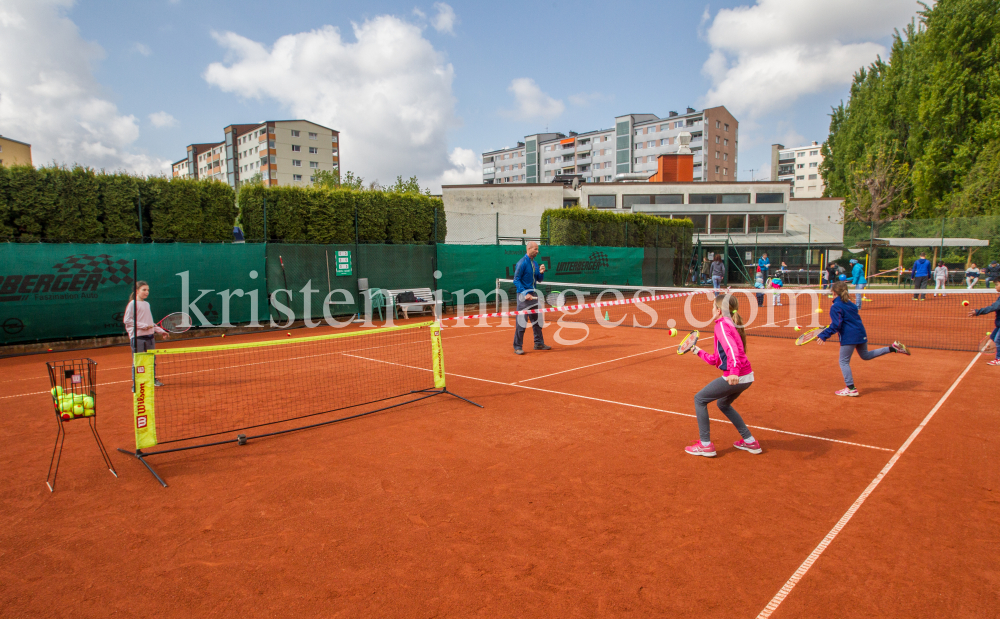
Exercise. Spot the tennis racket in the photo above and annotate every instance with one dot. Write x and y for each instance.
(986, 344)
(768, 283)
(689, 342)
(809, 336)
(178, 322)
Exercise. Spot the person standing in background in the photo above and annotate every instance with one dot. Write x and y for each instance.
(718, 271)
(764, 264)
(921, 273)
(859, 281)
(940, 276)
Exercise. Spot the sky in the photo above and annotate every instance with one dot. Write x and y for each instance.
(420, 88)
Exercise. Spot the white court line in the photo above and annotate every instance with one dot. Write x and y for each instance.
(815, 554)
(626, 404)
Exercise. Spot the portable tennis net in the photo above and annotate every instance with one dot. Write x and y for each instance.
(918, 318)
(213, 390)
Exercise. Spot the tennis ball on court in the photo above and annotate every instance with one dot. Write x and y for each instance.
(289, 334)
(88, 402)
(965, 303)
(798, 328)
(57, 391)
(673, 332)
(78, 410)
(819, 311)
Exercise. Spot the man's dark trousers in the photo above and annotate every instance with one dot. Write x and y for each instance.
(522, 323)
(920, 283)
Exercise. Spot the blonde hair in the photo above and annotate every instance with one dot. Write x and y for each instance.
(841, 290)
(728, 304)
(139, 284)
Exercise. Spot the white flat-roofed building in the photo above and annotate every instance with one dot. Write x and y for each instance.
(799, 166)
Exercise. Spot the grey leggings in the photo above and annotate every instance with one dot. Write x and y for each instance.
(724, 395)
(863, 352)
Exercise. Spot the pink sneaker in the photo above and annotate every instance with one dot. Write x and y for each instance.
(753, 447)
(994, 362)
(697, 449)
(851, 393)
(900, 348)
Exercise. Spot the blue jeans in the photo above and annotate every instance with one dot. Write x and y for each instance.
(995, 336)
(859, 296)
(716, 281)
(845, 358)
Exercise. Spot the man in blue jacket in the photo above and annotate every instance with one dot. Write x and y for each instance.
(921, 274)
(995, 335)
(526, 275)
(764, 264)
(859, 281)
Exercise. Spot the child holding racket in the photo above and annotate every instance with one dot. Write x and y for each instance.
(846, 321)
(140, 326)
(995, 334)
(737, 376)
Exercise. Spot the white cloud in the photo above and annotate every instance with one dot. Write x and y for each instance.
(142, 49)
(49, 97)
(388, 92)
(467, 169)
(445, 19)
(766, 56)
(162, 119)
(531, 102)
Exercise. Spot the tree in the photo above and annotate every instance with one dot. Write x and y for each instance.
(876, 188)
(332, 180)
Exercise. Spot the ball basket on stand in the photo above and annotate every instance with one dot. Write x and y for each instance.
(74, 395)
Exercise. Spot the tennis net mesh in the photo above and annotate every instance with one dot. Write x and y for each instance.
(919, 319)
(211, 390)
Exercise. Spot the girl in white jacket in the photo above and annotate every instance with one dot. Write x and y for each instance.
(940, 276)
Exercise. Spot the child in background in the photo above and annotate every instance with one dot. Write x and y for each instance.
(138, 319)
(845, 321)
(940, 277)
(995, 335)
(758, 283)
(776, 285)
(737, 376)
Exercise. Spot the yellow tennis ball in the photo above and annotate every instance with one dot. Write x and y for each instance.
(66, 415)
(89, 412)
(88, 402)
(66, 406)
(673, 332)
(965, 303)
(798, 329)
(57, 391)
(78, 410)
(78, 398)
(819, 310)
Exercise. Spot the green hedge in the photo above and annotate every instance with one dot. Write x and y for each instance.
(579, 226)
(319, 215)
(81, 205)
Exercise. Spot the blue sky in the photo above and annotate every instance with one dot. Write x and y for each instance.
(421, 88)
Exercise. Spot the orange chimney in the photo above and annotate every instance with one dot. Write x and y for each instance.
(674, 168)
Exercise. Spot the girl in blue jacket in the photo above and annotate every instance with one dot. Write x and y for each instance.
(846, 322)
(995, 335)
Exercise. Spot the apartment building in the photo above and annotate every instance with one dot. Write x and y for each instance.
(799, 166)
(630, 148)
(283, 152)
(13, 152)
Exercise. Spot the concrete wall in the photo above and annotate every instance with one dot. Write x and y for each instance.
(472, 210)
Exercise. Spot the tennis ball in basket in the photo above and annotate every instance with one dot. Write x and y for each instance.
(78, 410)
(66, 415)
(89, 412)
(66, 406)
(88, 402)
(78, 398)
(965, 303)
(57, 391)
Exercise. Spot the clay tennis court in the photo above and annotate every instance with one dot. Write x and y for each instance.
(569, 494)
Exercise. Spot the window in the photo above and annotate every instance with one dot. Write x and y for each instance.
(313, 150)
(813, 164)
(296, 148)
(270, 144)
(334, 139)
(296, 177)
(726, 142)
(716, 139)
(727, 126)
(270, 129)
(768, 224)
(725, 171)
(770, 198)
(313, 136)
(700, 222)
(638, 146)
(297, 163)
(717, 124)
(678, 124)
(601, 201)
(728, 224)
(800, 154)
(716, 168)
(651, 144)
(800, 178)
(638, 132)
(812, 177)
(716, 154)
(312, 179)
(638, 159)
(314, 165)
(719, 198)
(295, 133)
(813, 153)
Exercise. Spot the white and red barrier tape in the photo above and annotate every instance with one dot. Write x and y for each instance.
(582, 306)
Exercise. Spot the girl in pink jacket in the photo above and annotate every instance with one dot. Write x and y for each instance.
(737, 376)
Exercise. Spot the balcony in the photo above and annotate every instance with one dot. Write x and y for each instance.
(583, 158)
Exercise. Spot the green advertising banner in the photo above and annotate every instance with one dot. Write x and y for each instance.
(468, 267)
(69, 290)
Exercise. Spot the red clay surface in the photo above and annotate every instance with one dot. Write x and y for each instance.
(568, 495)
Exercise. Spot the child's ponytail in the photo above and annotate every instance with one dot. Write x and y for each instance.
(732, 307)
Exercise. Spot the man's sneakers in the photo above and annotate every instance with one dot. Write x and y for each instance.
(898, 347)
(851, 393)
(753, 447)
(994, 362)
(697, 449)
(543, 347)
(157, 383)
(518, 351)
